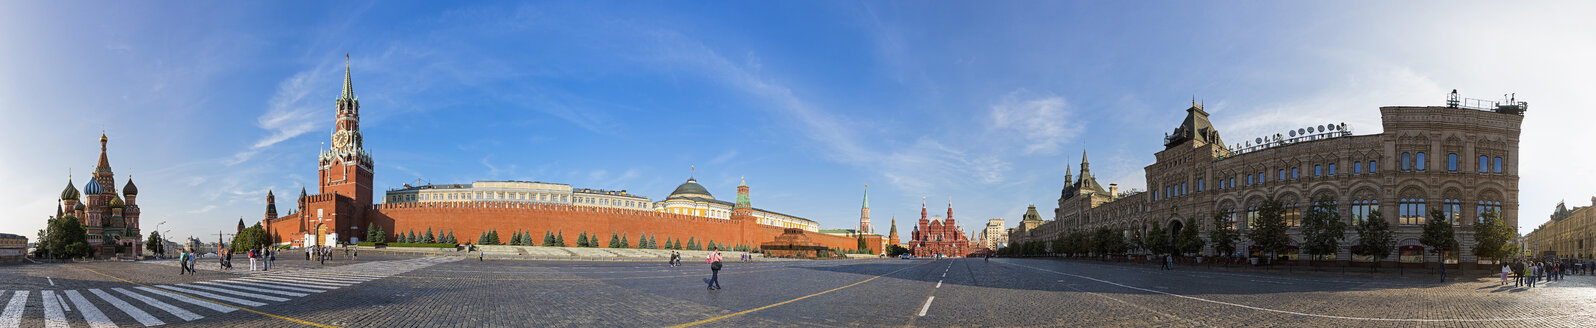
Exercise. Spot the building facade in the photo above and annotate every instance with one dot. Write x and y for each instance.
(1571, 234)
(111, 222)
(934, 236)
(1457, 158)
(993, 235)
(691, 198)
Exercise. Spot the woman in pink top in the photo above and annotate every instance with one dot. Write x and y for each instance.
(714, 268)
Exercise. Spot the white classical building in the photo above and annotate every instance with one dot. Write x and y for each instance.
(518, 191)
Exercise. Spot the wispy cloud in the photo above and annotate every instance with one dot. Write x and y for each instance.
(289, 113)
(1043, 122)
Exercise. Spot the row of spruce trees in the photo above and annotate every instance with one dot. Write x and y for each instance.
(1323, 229)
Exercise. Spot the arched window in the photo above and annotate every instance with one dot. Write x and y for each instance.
(1411, 211)
(1406, 158)
(1421, 164)
(1361, 209)
(1451, 162)
(1498, 166)
(1486, 206)
(1453, 209)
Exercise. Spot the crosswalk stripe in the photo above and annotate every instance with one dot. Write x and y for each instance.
(332, 277)
(90, 313)
(189, 300)
(328, 284)
(13, 314)
(174, 310)
(53, 316)
(213, 296)
(275, 285)
(253, 289)
(233, 292)
(142, 317)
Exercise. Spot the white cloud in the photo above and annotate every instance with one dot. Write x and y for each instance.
(289, 114)
(1042, 121)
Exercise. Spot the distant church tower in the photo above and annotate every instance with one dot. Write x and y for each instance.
(864, 214)
(271, 207)
(346, 167)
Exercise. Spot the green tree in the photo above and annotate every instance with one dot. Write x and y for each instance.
(615, 240)
(451, 238)
(1323, 229)
(581, 239)
(481, 240)
(1079, 243)
(559, 239)
(1269, 229)
(380, 237)
(1492, 237)
(1188, 241)
(624, 242)
(1375, 238)
(1137, 241)
(371, 232)
(429, 237)
(412, 237)
(493, 237)
(1157, 240)
(67, 238)
(652, 244)
(895, 250)
(154, 244)
(1224, 235)
(692, 244)
(1106, 241)
(1438, 235)
(251, 238)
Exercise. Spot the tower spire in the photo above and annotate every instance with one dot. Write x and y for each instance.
(349, 86)
(1085, 166)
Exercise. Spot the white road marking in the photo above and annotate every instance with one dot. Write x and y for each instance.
(90, 313)
(62, 301)
(52, 281)
(212, 296)
(291, 281)
(12, 317)
(53, 316)
(251, 288)
(189, 300)
(174, 310)
(939, 284)
(330, 278)
(277, 286)
(944, 274)
(234, 292)
(143, 317)
(927, 305)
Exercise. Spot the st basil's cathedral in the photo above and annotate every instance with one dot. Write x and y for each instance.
(110, 221)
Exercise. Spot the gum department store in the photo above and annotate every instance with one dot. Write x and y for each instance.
(1461, 158)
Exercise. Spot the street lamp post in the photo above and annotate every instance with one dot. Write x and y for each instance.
(163, 238)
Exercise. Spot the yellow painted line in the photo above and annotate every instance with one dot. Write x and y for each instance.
(700, 322)
(303, 322)
(531, 279)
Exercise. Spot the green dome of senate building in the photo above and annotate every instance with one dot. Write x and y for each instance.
(691, 188)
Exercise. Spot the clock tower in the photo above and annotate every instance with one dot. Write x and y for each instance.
(346, 167)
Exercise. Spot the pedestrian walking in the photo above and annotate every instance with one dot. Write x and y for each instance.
(1518, 273)
(674, 257)
(182, 262)
(354, 254)
(252, 254)
(1169, 262)
(1505, 271)
(270, 257)
(308, 249)
(193, 260)
(714, 268)
(1534, 273)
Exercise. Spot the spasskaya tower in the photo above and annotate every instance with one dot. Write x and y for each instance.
(346, 167)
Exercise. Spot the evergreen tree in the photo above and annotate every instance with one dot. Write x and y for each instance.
(483, 240)
(581, 240)
(412, 238)
(428, 237)
(1269, 229)
(692, 243)
(451, 237)
(154, 244)
(615, 240)
(1323, 229)
(1187, 240)
(1224, 236)
(652, 244)
(371, 232)
(493, 237)
(1493, 237)
(380, 237)
(559, 239)
(1158, 241)
(1438, 235)
(1374, 238)
(624, 243)
(548, 238)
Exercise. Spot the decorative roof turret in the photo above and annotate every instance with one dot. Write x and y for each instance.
(71, 192)
(130, 189)
(689, 189)
(104, 166)
(116, 201)
(93, 187)
(79, 207)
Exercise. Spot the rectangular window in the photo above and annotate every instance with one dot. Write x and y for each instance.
(1403, 164)
(1451, 162)
(1421, 162)
(1294, 173)
(1498, 167)
(1249, 180)
(1357, 167)
(1332, 168)
(1318, 170)
(1485, 163)
(1373, 167)
(1199, 184)
(1280, 175)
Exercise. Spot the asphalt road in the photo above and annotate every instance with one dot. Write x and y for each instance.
(407, 291)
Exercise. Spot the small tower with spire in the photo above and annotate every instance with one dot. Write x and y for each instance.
(864, 214)
(271, 206)
(744, 209)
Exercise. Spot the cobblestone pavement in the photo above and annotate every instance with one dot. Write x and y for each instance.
(397, 290)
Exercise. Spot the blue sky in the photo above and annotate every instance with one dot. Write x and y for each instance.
(209, 105)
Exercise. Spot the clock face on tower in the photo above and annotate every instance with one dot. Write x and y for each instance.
(341, 139)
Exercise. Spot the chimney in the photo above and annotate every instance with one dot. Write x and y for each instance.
(1113, 190)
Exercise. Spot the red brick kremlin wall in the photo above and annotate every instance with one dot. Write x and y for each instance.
(469, 219)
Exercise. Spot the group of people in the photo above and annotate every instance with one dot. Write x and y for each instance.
(322, 253)
(264, 256)
(186, 261)
(1528, 272)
